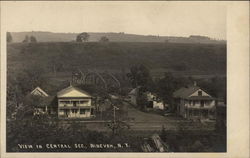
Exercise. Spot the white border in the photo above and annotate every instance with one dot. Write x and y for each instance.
(238, 93)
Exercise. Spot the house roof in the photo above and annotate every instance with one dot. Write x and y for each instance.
(79, 92)
(133, 91)
(39, 101)
(185, 92)
(39, 91)
(47, 101)
(200, 98)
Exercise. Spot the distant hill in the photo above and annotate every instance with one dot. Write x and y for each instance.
(183, 59)
(113, 37)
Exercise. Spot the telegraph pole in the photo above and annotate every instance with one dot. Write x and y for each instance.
(115, 108)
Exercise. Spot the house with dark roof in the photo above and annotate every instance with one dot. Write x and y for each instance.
(193, 102)
(74, 102)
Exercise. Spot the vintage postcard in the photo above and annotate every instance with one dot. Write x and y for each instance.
(128, 79)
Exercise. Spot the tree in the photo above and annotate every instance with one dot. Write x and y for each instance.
(30, 78)
(55, 64)
(26, 39)
(33, 39)
(141, 99)
(9, 37)
(83, 37)
(139, 76)
(165, 89)
(104, 39)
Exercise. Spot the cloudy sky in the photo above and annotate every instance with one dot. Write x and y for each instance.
(147, 18)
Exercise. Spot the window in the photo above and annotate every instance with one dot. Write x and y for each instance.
(74, 103)
(189, 102)
(74, 110)
(83, 102)
(199, 93)
(82, 111)
(202, 103)
(193, 103)
(66, 112)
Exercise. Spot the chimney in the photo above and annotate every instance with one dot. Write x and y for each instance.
(195, 84)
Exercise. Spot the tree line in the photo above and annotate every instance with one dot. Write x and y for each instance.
(84, 37)
(27, 39)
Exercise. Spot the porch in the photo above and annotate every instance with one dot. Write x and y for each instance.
(200, 113)
(76, 112)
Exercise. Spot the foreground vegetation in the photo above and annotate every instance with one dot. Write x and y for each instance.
(45, 131)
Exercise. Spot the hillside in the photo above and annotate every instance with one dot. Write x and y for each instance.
(114, 37)
(184, 59)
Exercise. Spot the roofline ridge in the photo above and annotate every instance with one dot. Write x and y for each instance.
(40, 89)
(76, 88)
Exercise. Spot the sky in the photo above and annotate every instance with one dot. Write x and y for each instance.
(164, 18)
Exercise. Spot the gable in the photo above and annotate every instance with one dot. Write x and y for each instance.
(38, 91)
(196, 93)
(72, 92)
(185, 92)
(133, 91)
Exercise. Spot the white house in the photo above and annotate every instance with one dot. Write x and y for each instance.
(153, 100)
(193, 102)
(74, 103)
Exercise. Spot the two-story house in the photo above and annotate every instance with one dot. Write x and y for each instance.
(74, 103)
(193, 102)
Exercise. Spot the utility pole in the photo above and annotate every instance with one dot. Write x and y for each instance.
(115, 108)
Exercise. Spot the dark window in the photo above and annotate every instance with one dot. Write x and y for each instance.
(199, 93)
(83, 102)
(67, 112)
(82, 111)
(92, 112)
(74, 103)
(74, 110)
(193, 103)
(189, 102)
(202, 103)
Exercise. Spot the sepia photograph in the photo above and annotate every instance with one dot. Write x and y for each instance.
(128, 77)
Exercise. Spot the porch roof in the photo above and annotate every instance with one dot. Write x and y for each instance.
(200, 98)
(76, 107)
